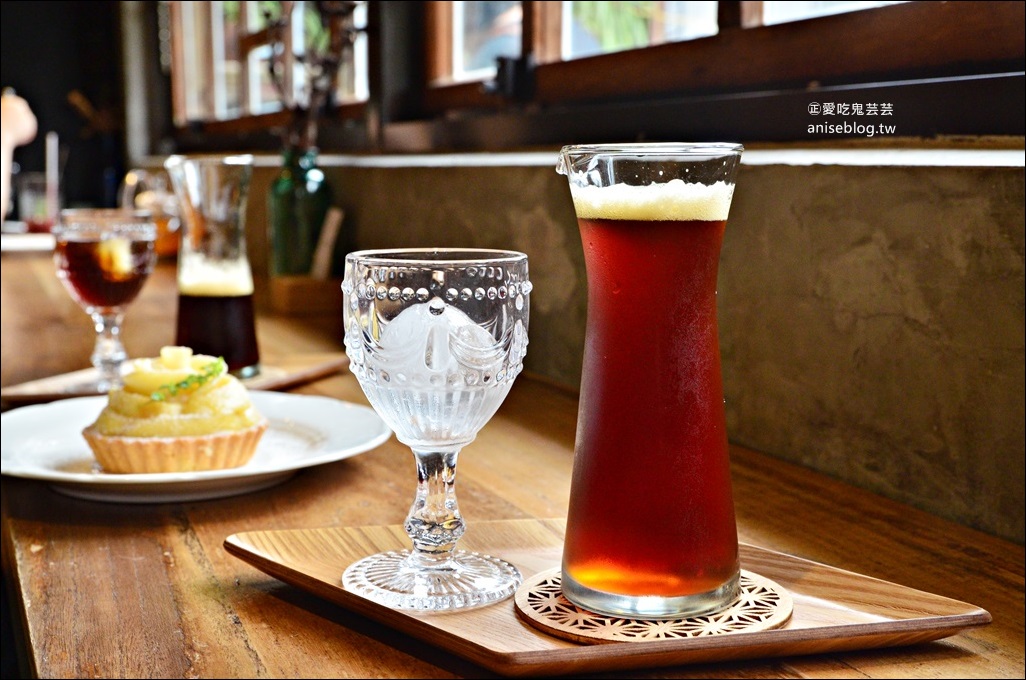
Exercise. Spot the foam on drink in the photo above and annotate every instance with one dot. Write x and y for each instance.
(197, 276)
(675, 200)
(215, 311)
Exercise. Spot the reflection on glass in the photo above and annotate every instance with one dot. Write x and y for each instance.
(776, 12)
(484, 32)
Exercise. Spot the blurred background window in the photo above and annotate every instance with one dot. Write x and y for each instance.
(602, 27)
(224, 53)
(485, 31)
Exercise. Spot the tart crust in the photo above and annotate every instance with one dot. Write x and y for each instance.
(128, 455)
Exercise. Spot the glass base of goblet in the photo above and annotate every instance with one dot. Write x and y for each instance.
(463, 581)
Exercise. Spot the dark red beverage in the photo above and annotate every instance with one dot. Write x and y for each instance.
(104, 274)
(39, 225)
(220, 326)
(651, 508)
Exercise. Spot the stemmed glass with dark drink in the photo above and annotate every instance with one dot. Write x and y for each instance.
(104, 257)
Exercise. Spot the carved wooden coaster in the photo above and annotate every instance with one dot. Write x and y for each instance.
(761, 605)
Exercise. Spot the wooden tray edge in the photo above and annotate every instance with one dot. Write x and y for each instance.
(280, 373)
(573, 658)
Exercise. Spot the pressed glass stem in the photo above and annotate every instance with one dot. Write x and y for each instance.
(108, 353)
(434, 523)
(434, 576)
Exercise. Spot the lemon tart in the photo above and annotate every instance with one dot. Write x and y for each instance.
(179, 412)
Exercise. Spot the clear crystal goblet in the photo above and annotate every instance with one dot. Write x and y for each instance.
(435, 338)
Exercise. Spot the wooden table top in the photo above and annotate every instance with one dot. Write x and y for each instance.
(119, 590)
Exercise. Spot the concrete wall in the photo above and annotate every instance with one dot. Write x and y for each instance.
(872, 328)
(871, 311)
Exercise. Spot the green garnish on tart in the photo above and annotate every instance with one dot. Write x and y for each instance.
(210, 371)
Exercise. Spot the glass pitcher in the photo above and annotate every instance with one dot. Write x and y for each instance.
(650, 529)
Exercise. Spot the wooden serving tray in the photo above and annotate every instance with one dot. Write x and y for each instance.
(834, 610)
(275, 374)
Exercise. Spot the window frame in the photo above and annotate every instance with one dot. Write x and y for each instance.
(940, 48)
(937, 38)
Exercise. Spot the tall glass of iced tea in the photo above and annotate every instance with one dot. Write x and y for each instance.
(103, 258)
(650, 529)
(215, 282)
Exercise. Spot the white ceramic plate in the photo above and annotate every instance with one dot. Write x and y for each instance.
(45, 442)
